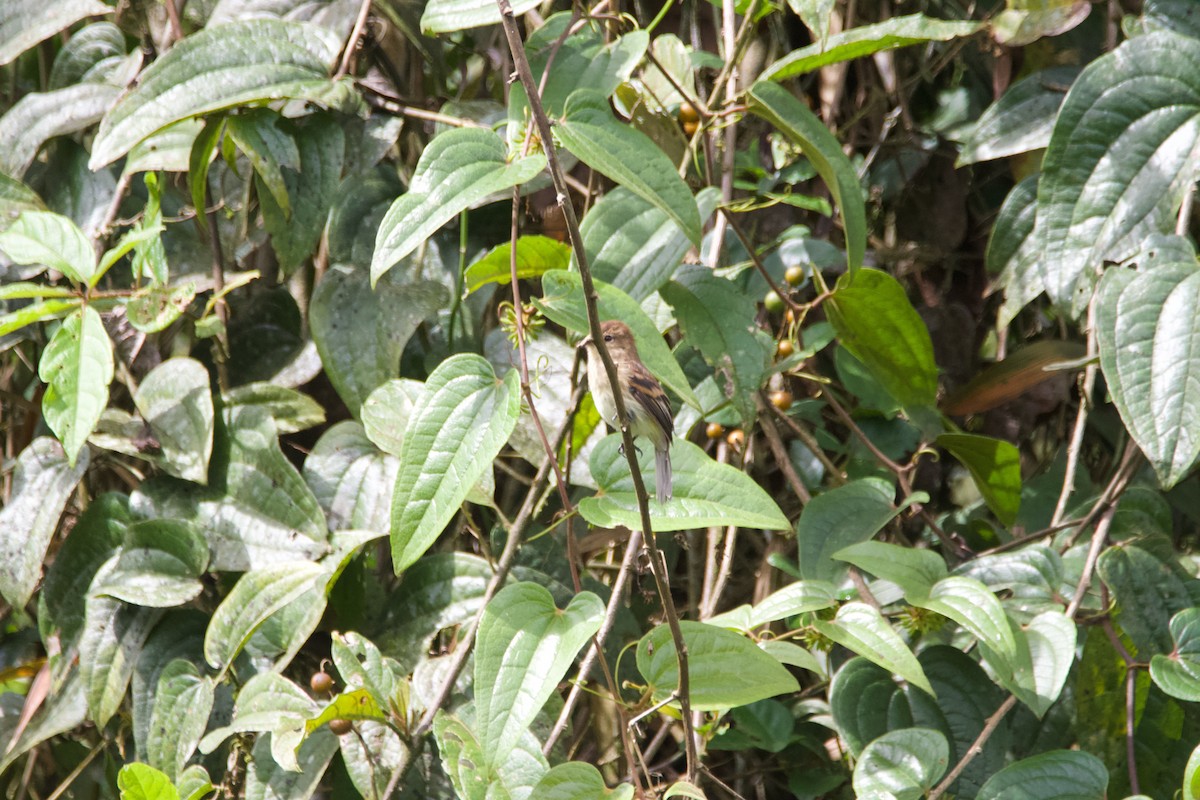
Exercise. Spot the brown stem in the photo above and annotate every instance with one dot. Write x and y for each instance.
(976, 747)
(780, 452)
(521, 63)
(360, 22)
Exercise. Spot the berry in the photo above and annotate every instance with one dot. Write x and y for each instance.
(784, 349)
(781, 399)
(773, 302)
(321, 682)
(794, 276)
(736, 439)
(715, 430)
(340, 726)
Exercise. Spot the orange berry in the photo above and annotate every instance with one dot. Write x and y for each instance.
(340, 726)
(320, 682)
(736, 439)
(715, 430)
(781, 399)
(784, 349)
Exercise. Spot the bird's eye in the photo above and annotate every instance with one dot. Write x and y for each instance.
(608, 337)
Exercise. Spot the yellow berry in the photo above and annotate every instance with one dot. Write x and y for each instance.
(715, 430)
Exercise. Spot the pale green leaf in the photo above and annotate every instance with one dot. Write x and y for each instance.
(43, 237)
(40, 116)
(838, 518)
(1057, 774)
(138, 781)
(904, 764)
(182, 702)
(536, 255)
(862, 630)
(995, 466)
(77, 367)
(446, 16)
(578, 780)
(24, 23)
(175, 400)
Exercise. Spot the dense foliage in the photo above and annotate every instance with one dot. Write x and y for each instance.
(304, 492)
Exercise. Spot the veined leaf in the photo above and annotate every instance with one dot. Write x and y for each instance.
(77, 367)
(40, 116)
(862, 630)
(24, 23)
(43, 237)
(536, 255)
(446, 16)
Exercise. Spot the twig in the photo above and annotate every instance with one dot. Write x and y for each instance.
(1085, 401)
(976, 747)
(1098, 538)
(360, 22)
(780, 452)
(783, 294)
(521, 63)
(221, 352)
(708, 602)
(808, 440)
(75, 773)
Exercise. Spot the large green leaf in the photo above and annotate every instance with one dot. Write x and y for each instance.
(352, 479)
(459, 169)
(183, 700)
(524, 647)
(795, 598)
(1147, 592)
(159, 565)
(451, 439)
(633, 244)
(706, 493)
(996, 467)
(861, 699)
(39, 116)
(822, 149)
(716, 318)
(473, 774)
(270, 780)
(1055, 775)
(175, 400)
(256, 596)
(1148, 336)
(42, 483)
(113, 635)
(969, 603)
(1021, 120)
(1124, 151)
(862, 630)
(838, 518)
(876, 323)
(43, 237)
(24, 23)
(914, 570)
(360, 333)
(867, 39)
(77, 367)
(725, 669)
(247, 62)
(138, 781)
(87, 53)
(257, 510)
(260, 134)
(1026, 21)
(628, 157)
(446, 16)
(562, 302)
(903, 764)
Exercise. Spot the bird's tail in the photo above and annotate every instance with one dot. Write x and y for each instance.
(662, 474)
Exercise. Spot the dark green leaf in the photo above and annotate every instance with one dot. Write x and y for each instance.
(1056, 775)
(996, 467)
(903, 764)
(838, 518)
(1021, 120)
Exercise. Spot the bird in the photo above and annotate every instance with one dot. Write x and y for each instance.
(646, 403)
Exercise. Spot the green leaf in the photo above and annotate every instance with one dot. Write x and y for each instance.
(1123, 153)
(904, 764)
(256, 511)
(167, 150)
(725, 669)
(36, 312)
(1021, 120)
(143, 782)
(24, 23)
(838, 518)
(995, 466)
(1051, 637)
(1191, 776)
(1147, 332)
(257, 595)
(156, 307)
(861, 697)
(181, 637)
(628, 157)
(290, 410)
(16, 197)
(258, 60)
(183, 700)
(1055, 775)
(386, 412)
(972, 605)
(459, 169)
(309, 187)
(1148, 592)
(112, 639)
(716, 318)
(159, 565)
(562, 302)
(43, 237)
(877, 324)
(524, 647)
(360, 333)
(352, 479)
(1013, 251)
(862, 630)
(1178, 674)
(446, 16)
(42, 484)
(270, 780)
(77, 367)
(258, 134)
(536, 255)
(451, 439)
(1026, 21)
(40, 116)
(470, 770)
(633, 244)
(914, 571)
(175, 400)
(795, 598)
(865, 40)
(84, 55)
(706, 493)
(795, 121)
(578, 780)
(266, 702)
(358, 704)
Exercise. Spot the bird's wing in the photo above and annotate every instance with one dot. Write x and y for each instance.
(646, 389)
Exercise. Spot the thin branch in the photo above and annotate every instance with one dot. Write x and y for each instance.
(356, 33)
(1099, 536)
(521, 63)
(1085, 401)
(976, 747)
(780, 452)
